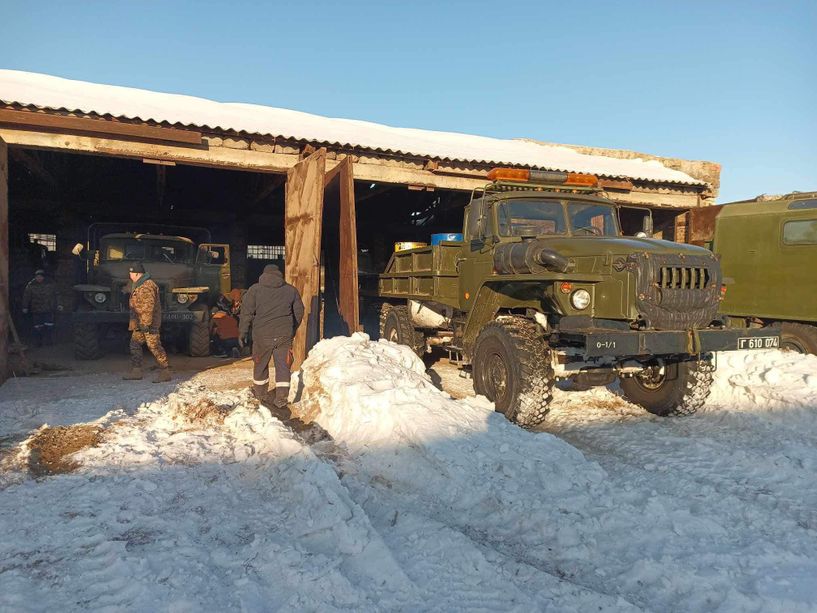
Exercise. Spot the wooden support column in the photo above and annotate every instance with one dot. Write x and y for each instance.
(4, 261)
(302, 238)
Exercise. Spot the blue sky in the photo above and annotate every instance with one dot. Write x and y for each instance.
(731, 82)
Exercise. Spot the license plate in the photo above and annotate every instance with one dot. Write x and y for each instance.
(182, 316)
(759, 342)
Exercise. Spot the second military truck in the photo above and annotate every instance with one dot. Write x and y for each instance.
(768, 252)
(545, 287)
(190, 278)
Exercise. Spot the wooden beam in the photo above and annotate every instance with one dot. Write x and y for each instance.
(33, 164)
(4, 262)
(302, 240)
(263, 161)
(272, 185)
(98, 126)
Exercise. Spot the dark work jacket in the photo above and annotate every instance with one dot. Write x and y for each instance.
(274, 309)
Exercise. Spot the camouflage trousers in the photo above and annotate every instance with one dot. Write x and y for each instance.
(154, 344)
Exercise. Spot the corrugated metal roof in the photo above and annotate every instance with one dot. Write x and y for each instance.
(55, 93)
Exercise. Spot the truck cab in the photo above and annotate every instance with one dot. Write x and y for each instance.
(190, 278)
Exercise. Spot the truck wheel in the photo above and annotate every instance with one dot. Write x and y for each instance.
(672, 388)
(199, 345)
(801, 338)
(512, 368)
(86, 342)
(396, 327)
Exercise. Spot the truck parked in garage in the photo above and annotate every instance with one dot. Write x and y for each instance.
(190, 278)
(545, 287)
(768, 252)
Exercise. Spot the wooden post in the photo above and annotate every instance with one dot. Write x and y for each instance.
(4, 261)
(302, 239)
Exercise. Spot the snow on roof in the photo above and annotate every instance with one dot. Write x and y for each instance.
(49, 92)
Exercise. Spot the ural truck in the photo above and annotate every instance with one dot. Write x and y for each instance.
(544, 287)
(768, 252)
(190, 278)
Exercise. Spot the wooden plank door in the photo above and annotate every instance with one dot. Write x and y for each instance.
(302, 239)
(348, 302)
(4, 261)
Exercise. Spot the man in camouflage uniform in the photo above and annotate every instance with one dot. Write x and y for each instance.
(40, 299)
(145, 322)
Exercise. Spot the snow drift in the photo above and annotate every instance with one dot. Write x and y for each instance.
(197, 500)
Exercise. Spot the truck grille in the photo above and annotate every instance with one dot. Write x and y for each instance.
(683, 277)
(675, 292)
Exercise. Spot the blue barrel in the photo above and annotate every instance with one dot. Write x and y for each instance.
(436, 239)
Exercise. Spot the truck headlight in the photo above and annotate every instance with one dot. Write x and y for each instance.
(181, 298)
(100, 297)
(580, 299)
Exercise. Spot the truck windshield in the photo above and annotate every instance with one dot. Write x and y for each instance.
(591, 219)
(147, 250)
(530, 218)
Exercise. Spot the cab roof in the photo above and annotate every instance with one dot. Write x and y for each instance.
(797, 201)
(149, 237)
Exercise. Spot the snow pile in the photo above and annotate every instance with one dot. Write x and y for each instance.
(197, 500)
(170, 514)
(764, 381)
(452, 485)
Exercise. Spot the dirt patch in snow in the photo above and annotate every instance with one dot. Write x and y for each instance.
(51, 448)
(203, 412)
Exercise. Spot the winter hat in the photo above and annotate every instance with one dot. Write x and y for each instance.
(39, 272)
(138, 267)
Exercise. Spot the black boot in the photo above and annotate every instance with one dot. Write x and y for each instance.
(260, 392)
(281, 397)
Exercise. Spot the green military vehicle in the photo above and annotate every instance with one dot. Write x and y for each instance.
(190, 279)
(768, 252)
(545, 287)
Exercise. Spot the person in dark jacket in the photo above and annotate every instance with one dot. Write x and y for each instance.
(40, 299)
(274, 310)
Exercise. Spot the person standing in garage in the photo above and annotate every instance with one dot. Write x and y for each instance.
(40, 299)
(145, 323)
(274, 310)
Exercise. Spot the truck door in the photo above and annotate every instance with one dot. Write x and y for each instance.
(476, 260)
(213, 266)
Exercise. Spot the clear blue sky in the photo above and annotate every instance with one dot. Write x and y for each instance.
(732, 82)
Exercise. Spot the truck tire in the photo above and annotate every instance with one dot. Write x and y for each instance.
(396, 327)
(511, 366)
(681, 389)
(86, 342)
(199, 344)
(801, 338)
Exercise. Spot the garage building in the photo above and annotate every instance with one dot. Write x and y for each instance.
(73, 154)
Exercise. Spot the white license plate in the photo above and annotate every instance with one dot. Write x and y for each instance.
(759, 342)
(181, 316)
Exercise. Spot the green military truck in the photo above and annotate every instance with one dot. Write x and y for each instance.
(190, 278)
(544, 287)
(768, 253)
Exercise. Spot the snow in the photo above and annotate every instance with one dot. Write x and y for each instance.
(46, 91)
(418, 501)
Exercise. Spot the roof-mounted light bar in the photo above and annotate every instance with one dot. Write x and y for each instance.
(552, 177)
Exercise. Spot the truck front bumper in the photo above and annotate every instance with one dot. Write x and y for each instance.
(120, 317)
(623, 343)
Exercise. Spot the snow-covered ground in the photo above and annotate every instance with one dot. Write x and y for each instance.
(196, 500)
